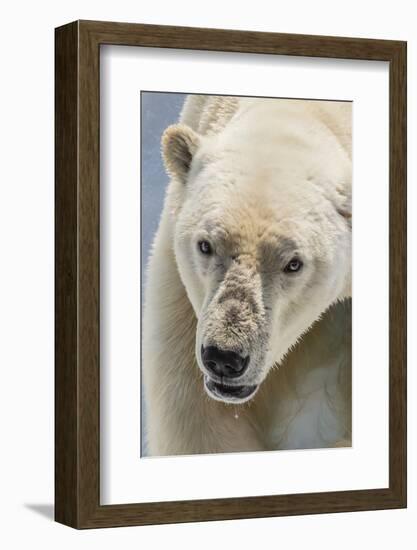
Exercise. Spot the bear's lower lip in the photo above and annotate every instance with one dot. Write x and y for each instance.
(229, 394)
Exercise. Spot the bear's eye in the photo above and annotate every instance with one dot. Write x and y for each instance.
(204, 247)
(293, 266)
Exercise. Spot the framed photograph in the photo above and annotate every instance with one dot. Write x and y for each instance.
(230, 274)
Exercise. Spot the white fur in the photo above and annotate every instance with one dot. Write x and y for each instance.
(246, 172)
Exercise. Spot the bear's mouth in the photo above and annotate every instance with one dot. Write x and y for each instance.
(229, 394)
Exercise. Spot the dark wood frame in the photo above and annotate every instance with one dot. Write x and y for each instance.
(77, 406)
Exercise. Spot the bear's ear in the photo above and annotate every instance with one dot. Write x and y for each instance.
(179, 145)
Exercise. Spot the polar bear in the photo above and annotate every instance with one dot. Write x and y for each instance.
(246, 327)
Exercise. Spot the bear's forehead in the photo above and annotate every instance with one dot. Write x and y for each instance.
(264, 193)
(242, 233)
(246, 217)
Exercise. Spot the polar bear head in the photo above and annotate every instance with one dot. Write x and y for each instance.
(262, 237)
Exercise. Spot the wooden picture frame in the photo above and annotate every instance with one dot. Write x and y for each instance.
(77, 372)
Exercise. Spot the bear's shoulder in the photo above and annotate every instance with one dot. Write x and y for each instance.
(337, 117)
(208, 114)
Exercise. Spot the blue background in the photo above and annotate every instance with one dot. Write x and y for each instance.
(158, 110)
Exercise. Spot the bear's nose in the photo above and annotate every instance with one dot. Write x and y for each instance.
(223, 363)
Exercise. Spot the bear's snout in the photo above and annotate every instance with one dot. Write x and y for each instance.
(223, 363)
